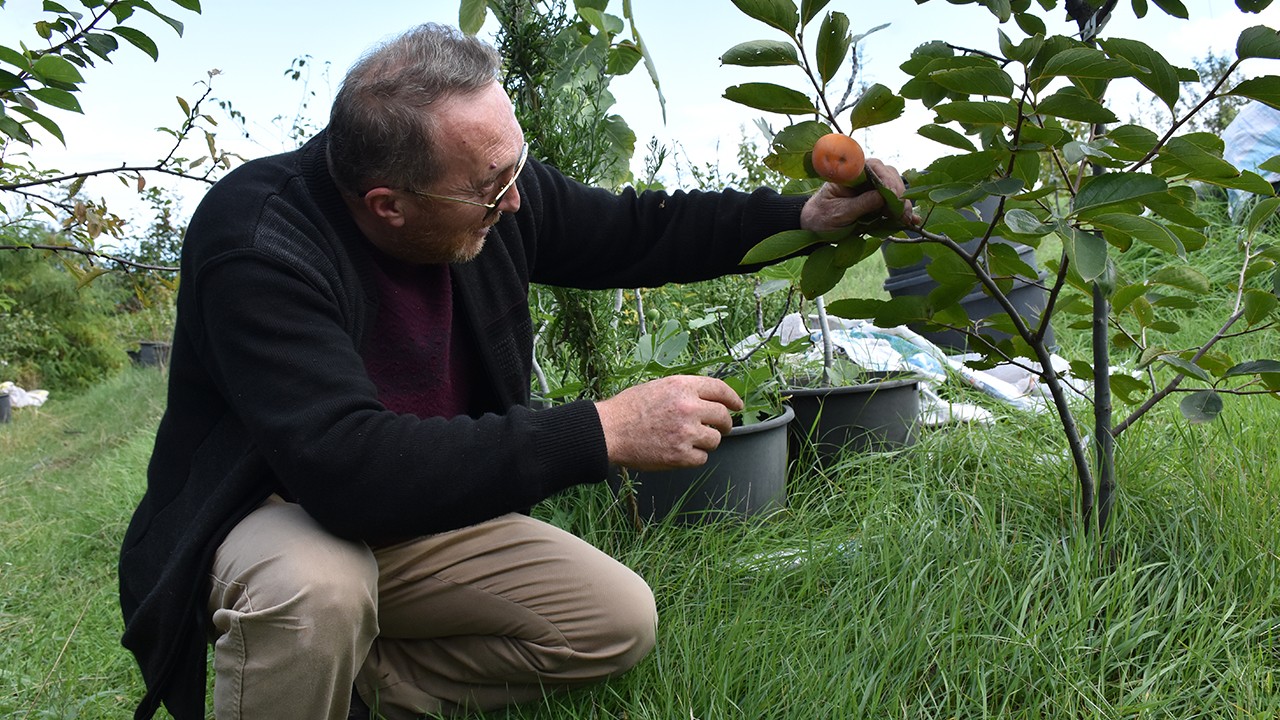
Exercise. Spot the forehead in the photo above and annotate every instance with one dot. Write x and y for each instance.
(482, 123)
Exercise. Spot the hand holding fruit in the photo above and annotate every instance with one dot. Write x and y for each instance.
(849, 194)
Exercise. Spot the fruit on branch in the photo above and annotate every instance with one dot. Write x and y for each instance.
(839, 159)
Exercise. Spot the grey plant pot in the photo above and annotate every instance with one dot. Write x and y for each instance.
(872, 417)
(746, 476)
(6, 407)
(150, 353)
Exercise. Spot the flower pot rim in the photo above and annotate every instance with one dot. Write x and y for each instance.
(889, 383)
(780, 419)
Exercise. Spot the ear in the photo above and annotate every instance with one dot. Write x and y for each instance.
(385, 204)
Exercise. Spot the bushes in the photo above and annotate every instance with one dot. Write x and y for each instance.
(53, 335)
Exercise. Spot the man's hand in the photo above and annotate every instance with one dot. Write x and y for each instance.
(835, 206)
(667, 423)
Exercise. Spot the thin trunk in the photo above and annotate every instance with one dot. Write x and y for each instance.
(825, 325)
(1104, 441)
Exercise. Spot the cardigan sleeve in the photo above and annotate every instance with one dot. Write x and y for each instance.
(591, 238)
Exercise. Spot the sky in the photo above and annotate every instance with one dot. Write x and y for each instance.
(252, 43)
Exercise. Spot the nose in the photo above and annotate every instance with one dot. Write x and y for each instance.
(510, 201)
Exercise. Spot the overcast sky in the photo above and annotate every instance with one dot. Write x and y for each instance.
(253, 43)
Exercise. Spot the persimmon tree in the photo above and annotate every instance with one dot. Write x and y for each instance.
(1028, 124)
(41, 74)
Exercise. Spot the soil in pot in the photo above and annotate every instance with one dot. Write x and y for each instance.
(744, 477)
(875, 416)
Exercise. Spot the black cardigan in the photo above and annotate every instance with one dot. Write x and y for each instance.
(268, 393)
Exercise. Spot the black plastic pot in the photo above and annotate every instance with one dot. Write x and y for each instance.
(1027, 298)
(745, 476)
(1027, 295)
(6, 406)
(872, 417)
(150, 354)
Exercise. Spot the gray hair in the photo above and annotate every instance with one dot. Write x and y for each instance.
(378, 131)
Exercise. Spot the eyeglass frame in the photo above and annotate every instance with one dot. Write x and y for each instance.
(497, 199)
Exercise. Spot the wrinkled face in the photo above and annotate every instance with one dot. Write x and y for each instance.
(482, 148)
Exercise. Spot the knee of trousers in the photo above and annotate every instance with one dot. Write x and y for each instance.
(327, 595)
(634, 623)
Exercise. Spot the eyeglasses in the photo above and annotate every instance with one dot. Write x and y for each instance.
(492, 207)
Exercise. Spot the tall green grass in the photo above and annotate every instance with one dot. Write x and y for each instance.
(944, 581)
(70, 474)
(948, 580)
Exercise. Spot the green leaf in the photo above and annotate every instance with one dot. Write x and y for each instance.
(1258, 41)
(1204, 406)
(989, 112)
(49, 126)
(970, 168)
(1259, 305)
(1186, 367)
(984, 79)
(14, 58)
(1114, 188)
(138, 40)
(1129, 389)
(1172, 7)
(875, 106)
(1261, 213)
(1183, 277)
(761, 53)
(1120, 229)
(171, 22)
(1132, 142)
(623, 58)
(1030, 24)
(793, 146)
(1022, 222)
(885, 313)
(1171, 207)
(809, 9)
(780, 245)
(781, 14)
(1083, 62)
(770, 98)
(54, 68)
(1265, 89)
(1155, 73)
(947, 136)
(1253, 367)
(58, 98)
(820, 272)
(192, 5)
(1252, 6)
(1086, 251)
(471, 16)
(1071, 104)
(833, 45)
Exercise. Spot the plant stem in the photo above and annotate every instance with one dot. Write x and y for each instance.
(824, 323)
(1104, 441)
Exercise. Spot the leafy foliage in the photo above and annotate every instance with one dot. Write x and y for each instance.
(1030, 124)
(55, 334)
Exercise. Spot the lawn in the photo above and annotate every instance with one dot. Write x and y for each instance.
(947, 580)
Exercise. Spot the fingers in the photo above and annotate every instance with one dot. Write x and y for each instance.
(666, 423)
(835, 206)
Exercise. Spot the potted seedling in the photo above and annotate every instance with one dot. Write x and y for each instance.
(746, 475)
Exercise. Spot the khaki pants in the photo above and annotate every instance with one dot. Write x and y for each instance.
(473, 619)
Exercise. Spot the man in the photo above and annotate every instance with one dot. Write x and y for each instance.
(336, 489)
